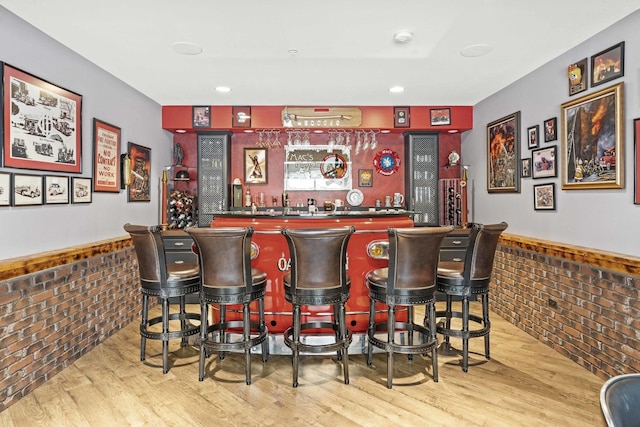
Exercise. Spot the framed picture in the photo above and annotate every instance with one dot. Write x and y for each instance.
(525, 169)
(636, 163)
(365, 177)
(401, 117)
(5, 189)
(440, 116)
(201, 117)
(80, 190)
(607, 65)
(503, 154)
(551, 129)
(56, 189)
(593, 140)
(42, 124)
(27, 190)
(532, 136)
(139, 190)
(544, 197)
(255, 165)
(578, 77)
(545, 162)
(241, 117)
(106, 157)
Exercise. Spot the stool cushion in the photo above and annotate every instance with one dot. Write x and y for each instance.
(182, 271)
(451, 269)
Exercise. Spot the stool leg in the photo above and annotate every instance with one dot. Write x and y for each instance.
(343, 337)
(465, 333)
(447, 321)
(487, 323)
(204, 325)
(338, 331)
(431, 314)
(371, 330)
(247, 337)
(223, 320)
(143, 325)
(263, 327)
(410, 328)
(296, 341)
(165, 339)
(183, 318)
(391, 320)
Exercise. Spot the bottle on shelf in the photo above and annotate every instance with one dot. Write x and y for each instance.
(247, 198)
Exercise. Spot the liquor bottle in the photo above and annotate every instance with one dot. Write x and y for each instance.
(247, 198)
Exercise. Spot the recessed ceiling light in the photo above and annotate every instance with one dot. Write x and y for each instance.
(292, 51)
(453, 131)
(396, 89)
(475, 50)
(385, 131)
(186, 48)
(248, 131)
(403, 36)
(318, 131)
(223, 89)
(181, 131)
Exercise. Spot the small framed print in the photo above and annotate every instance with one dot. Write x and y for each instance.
(551, 129)
(532, 136)
(56, 189)
(578, 77)
(525, 170)
(27, 190)
(5, 189)
(140, 188)
(106, 156)
(201, 117)
(241, 117)
(365, 177)
(440, 116)
(255, 165)
(80, 190)
(544, 197)
(607, 65)
(401, 117)
(545, 162)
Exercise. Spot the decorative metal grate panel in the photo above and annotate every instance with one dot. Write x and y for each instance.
(212, 181)
(423, 182)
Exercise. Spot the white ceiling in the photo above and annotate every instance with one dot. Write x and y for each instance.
(346, 52)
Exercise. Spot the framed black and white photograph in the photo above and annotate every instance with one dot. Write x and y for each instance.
(533, 133)
(27, 190)
(56, 189)
(544, 197)
(607, 65)
(80, 190)
(201, 117)
(525, 169)
(5, 189)
(544, 162)
(255, 165)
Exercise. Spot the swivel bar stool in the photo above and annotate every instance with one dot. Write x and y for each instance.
(229, 279)
(465, 279)
(162, 280)
(409, 280)
(318, 276)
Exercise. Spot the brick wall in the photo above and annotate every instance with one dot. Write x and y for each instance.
(50, 318)
(595, 320)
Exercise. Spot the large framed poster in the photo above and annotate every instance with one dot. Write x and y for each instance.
(503, 154)
(42, 124)
(139, 190)
(106, 157)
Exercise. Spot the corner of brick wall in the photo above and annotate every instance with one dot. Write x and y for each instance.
(51, 318)
(596, 322)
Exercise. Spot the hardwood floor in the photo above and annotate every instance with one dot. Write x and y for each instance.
(524, 384)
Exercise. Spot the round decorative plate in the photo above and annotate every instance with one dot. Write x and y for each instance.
(355, 197)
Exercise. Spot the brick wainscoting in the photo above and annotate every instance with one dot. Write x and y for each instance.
(582, 303)
(49, 318)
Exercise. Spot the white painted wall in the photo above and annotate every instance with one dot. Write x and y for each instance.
(601, 219)
(34, 229)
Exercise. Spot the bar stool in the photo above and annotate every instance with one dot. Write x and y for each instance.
(228, 278)
(318, 276)
(464, 279)
(409, 280)
(162, 280)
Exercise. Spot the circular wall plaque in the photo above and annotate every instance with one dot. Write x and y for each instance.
(333, 166)
(386, 162)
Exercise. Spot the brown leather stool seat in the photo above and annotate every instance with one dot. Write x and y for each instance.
(318, 276)
(162, 280)
(228, 279)
(409, 280)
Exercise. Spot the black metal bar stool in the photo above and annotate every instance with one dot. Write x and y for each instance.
(229, 279)
(318, 276)
(162, 280)
(409, 280)
(465, 279)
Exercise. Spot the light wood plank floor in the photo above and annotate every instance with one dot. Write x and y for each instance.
(524, 384)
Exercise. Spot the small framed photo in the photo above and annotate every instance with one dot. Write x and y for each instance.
(140, 188)
(255, 165)
(533, 133)
(545, 163)
(365, 177)
(106, 157)
(578, 77)
(607, 65)
(241, 117)
(525, 170)
(544, 197)
(80, 190)
(27, 190)
(57, 189)
(5, 189)
(401, 117)
(440, 116)
(201, 117)
(551, 129)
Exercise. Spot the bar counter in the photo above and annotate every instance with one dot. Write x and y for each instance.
(273, 258)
